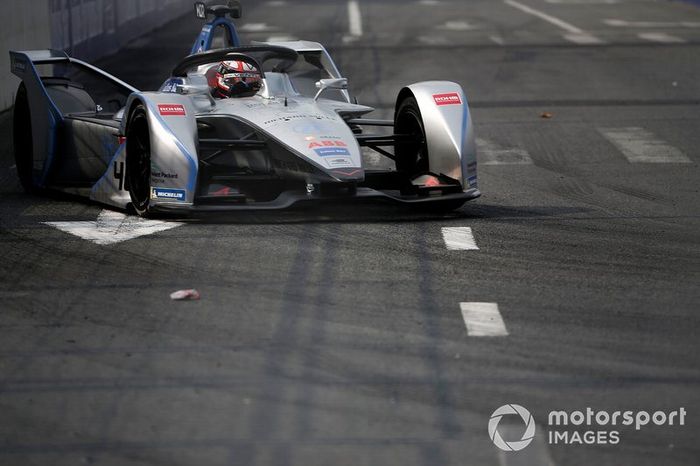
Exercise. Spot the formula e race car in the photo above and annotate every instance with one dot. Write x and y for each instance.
(261, 126)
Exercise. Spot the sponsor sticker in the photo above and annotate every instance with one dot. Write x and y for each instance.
(327, 143)
(447, 99)
(171, 86)
(473, 183)
(172, 110)
(332, 152)
(170, 194)
(339, 162)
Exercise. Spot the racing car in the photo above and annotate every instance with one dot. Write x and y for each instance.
(259, 126)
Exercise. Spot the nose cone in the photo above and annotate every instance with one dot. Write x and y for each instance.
(331, 145)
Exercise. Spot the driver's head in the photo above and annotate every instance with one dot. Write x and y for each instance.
(237, 79)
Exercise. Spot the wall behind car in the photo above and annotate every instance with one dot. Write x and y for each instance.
(86, 29)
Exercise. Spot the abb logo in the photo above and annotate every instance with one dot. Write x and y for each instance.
(447, 99)
(172, 110)
(315, 145)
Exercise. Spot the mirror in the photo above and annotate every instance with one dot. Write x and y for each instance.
(340, 84)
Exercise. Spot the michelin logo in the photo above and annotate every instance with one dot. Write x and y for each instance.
(169, 194)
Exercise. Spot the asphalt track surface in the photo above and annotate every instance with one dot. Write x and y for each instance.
(334, 335)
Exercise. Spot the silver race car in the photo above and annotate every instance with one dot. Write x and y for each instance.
(261, 126)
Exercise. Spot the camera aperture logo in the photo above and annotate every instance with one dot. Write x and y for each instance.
(527, 419)
(584, 427)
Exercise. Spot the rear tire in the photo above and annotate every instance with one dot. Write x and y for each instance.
(138, 160)
(22, 141)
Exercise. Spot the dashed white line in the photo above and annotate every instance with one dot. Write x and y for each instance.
(457, 26)
(493, 154)
(483, 320)
(661, 37)
(281, 39)
(583, 2)
(256, 27)
(355, 17)
(497, 39)
(459, 239)
(574, 34)
(641, 146)
(428, 2)
(651, 24)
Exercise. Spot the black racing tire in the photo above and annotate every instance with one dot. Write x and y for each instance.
(22, 140)
(411, 159)
(138, 160)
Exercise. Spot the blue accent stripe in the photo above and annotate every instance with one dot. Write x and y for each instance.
(192, 160)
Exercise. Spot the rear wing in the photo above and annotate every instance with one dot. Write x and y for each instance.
(47, 114)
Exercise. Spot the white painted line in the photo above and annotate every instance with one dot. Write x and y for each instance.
(642, 146)
(483, 320)
(651, 24)
(428, 2)
(583, 2)
(276, 3)
(583, 39)
(355, 18)
(457, 26)
(497, 39)
(433, 40)
(281, 38)
(490, 153)
(661, 37)
(542, 15)
(13, 167)
(113, 227)
(459, 239)
(256, 27)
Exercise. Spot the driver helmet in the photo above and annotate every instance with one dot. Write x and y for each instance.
(237, 79)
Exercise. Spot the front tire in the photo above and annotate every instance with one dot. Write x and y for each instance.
(138, 160)
(22, 140)
(412, 159)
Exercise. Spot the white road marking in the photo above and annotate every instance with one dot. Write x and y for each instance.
(661, 37)
(583, 39)
(457, 26)
(574, 34)
(483, 320)
(113, 227)
(276, 3)
(583, 2)
(256, 27)
(490, 153)
(355, 18)
(642, 146)
(281, 38)
(13, 167)
(497, 39)
(459, 239)
(651, 24)
(428, 2)
(433, 40)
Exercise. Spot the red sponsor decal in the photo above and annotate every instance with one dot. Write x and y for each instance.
(318, 144)
(172, 110)
(448, 99)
